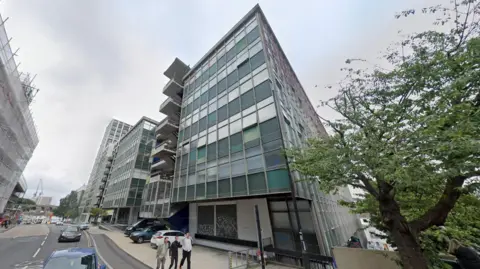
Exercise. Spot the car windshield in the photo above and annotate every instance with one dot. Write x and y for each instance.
(71, 229)
(147, 229)
(85, 262)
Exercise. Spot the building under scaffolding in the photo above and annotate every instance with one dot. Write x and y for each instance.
(18, 135)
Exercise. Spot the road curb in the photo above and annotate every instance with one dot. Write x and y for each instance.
(101, 227)
(131, 256)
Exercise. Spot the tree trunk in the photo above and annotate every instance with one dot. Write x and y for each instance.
(409, 249)
(404, 237)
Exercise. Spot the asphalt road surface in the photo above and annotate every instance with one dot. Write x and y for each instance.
(27, 246)
(115, 257)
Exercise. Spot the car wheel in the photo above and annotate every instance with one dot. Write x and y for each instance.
(140, 240)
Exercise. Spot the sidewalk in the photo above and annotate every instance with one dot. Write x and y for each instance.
(2, 229)
(202, 257)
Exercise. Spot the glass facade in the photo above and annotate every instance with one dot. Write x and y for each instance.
(113, 132)
(240, 106)
(230, 140)
(130, 167)
(299, 121)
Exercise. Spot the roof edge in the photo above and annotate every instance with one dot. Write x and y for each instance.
(244, 19)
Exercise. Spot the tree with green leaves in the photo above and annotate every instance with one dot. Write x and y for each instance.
(96, 212)
(68, 206)
(408, 134)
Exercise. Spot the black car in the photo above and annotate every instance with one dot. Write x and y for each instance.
(142, 224)
(70, 234)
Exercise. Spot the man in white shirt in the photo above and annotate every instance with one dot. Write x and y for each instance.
(187, 250)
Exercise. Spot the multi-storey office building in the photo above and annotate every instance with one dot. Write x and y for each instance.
(18, 136)
(228, 119)
(129, 172)
(94, 191)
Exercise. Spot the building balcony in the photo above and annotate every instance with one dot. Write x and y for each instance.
(171, 107)
(167, 128)
(177, 70)
(110, 158)
(164, 165)
(101, 187)
(99, 194)
(104, 179)
(106, 171)
(155, 178)
(165, 149)
(108, 165)
(173, 89)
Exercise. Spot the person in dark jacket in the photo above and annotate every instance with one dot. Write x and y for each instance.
(467, 257)
(174, 246)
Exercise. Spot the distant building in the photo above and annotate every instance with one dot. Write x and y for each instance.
(94, 189)
(129, 173)
(43, 200)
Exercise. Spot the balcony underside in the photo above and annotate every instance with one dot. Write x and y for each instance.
(166, 165)
(173, 89)
(177, 70)
(164, 151)
(170, 107)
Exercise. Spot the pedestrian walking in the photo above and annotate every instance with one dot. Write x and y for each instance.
(187, 250)
(162, 252)
(174, 246)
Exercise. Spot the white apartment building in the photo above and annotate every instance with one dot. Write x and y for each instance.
(96, 183)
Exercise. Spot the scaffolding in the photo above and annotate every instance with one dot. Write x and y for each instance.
(18, 133)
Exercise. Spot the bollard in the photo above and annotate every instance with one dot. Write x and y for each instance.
(230, 265)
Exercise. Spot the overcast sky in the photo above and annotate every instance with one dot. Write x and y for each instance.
(96, 60)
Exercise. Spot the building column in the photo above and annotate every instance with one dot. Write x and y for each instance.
(116, 215)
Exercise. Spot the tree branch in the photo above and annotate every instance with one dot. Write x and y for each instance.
(437, 215)
(367, 185)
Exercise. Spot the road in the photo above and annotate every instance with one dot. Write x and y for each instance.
(115, 257)
(27, 246)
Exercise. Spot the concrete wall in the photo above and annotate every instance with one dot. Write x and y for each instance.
(357, 258)
(246, 224)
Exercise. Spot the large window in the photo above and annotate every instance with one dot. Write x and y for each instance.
(263, 91)
(239, 185)
(248, 99)
(253, 35)
(256, 183)
(278, 180)
(236, 143)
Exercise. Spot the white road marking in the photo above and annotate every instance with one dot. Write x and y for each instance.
(25, 267)
(100, 255)
(43, 243)
(35, 255)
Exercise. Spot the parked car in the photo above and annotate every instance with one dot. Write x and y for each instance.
(159, 236)
(73, 258)
(84, 226)
(59, 223)
(142, 224)
(145, 234)
(70, 234)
